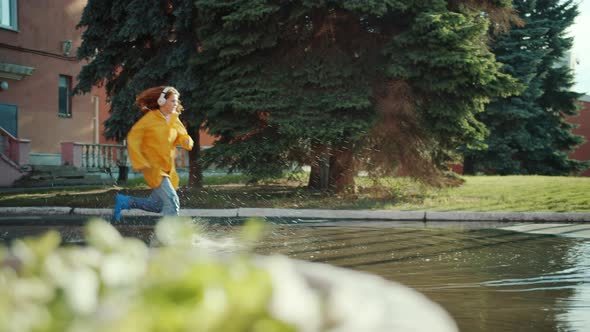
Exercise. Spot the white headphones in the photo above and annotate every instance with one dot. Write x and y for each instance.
(162, 98)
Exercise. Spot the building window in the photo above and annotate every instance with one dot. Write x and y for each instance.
(9, 119)
(65, 96)
(8, 14)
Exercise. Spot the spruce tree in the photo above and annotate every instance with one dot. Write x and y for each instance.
(558, 100)
(529, 134)
(134, 45)
(324, 83)
(308, 81)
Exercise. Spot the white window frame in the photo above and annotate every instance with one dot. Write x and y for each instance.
(12, 14)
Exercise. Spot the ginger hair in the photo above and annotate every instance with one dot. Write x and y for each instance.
(147, 100)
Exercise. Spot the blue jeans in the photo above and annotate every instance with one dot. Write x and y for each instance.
(162, 199)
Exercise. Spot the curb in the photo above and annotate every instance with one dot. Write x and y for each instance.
(382, 215)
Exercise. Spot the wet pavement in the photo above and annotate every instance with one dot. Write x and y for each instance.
(489, 278)
(489, 275)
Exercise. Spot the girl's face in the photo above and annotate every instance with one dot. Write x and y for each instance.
(171, 104)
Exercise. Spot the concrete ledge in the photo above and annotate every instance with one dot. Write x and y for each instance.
(109, 212)
(92, 212)
(361, 215)
(333, 214)
(508, 216)
(209, 212)
(136, 213)
(557, 216)
(43, 210)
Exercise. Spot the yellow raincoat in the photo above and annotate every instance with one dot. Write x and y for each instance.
(151, 143)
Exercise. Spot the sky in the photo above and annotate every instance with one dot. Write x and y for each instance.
(581, 49)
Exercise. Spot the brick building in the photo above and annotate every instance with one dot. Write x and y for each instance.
(38, 69)
(582, 152)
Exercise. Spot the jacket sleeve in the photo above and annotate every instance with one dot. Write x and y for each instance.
(134, 139)
(182, 136)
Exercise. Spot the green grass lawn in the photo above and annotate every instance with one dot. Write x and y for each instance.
(508, 193)
(477, 193)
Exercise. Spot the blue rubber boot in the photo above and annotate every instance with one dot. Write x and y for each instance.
(121, 203)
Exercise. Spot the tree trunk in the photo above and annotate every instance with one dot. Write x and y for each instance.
(319, 175)
(195, 175)
(341, 177)
(468, 165)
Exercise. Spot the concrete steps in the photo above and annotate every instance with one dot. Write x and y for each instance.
(10, 171)
(56, 176)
